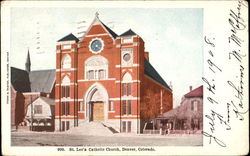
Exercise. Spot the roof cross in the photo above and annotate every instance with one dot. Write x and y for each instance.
(96, 15)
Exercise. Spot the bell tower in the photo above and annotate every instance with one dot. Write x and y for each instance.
(28, 63)
(66, 83)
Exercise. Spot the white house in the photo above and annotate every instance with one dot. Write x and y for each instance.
(41, 114)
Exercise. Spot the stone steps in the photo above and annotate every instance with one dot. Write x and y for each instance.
(91, 128)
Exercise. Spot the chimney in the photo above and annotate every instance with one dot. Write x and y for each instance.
(190, 88)
(146, 55)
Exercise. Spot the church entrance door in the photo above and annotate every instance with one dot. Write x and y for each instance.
(97, 111)
(96, 103)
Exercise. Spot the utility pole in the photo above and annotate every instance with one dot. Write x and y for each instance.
(31, 113)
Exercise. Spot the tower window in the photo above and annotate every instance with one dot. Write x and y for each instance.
(65, 109)
(127, 40)
(126, 107)
(65, 91)
(127, 57)
(66, 62)
(126, 89)
(66, 46)
(124, 127)
(129, 126)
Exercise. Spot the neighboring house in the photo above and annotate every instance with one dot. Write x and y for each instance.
(43, 115)
(107, 78)
(188, 116)
(26, 87)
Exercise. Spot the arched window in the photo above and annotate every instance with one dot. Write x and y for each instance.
(66, 86)
(127, 84)
(127, 91)
(66, 62)
(96, 68)
(66, 80)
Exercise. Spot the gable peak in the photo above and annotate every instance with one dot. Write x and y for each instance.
(128, 33)
(97, 21)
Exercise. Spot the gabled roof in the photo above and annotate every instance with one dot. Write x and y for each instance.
(48, 100)
(20, 80)
(128, 33)
(181, 112)
(42, 80)
(151, 72)
(198, 92)
(69, 37)
(97, 21)
(110, 31)
(173, 113)
(35, 81)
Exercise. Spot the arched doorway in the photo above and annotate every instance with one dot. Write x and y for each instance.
(96, 103)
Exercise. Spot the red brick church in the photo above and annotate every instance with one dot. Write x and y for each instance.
(107, 78)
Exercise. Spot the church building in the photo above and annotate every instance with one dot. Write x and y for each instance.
(32, 88)
(107, 78)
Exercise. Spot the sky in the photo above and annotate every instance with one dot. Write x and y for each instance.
(173, 38)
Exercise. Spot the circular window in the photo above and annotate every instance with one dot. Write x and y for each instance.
(96, 45)
(126, 57)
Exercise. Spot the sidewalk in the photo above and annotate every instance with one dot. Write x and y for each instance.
(113, 135)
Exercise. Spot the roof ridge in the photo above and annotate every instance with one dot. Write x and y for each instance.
(195, 92)
(109, 30)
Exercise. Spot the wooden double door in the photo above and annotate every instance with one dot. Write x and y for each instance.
(97, 111)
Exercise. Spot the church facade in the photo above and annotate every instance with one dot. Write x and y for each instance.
(107, 78)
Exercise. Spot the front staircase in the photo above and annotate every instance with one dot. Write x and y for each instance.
(92, 128)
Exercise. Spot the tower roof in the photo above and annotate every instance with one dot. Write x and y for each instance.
(128, 33)
(28, 58)
(28, 62)
(69, 37)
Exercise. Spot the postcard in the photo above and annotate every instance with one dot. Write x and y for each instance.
(124, 77)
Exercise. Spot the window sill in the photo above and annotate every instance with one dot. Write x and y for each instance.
(130, 115)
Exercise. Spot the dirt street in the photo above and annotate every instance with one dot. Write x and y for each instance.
(62, 139)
